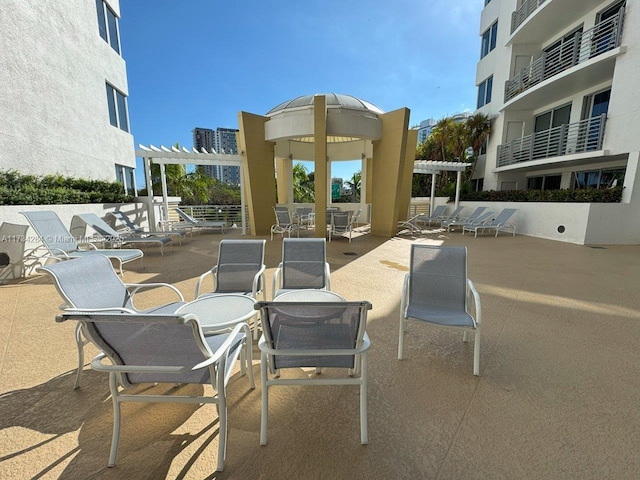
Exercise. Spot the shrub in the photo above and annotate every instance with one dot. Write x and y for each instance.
(582, 195)
(18, 189)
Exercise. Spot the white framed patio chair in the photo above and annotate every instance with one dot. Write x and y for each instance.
(479, 220)
(304, 266)
(111, 237)
(91, 284)
(437, 291)
(435, 216)
(341, 224)
(449, 224)
(240, 269)
(140, 349)
(304, 217)
(61, 245)
(500, 224)
(315, 335)
(133, 229)
(190, 222)
(284, 223)
(438, 219)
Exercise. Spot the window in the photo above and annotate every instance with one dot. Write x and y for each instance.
(108, 25)
(477, 184)
(117, 103)
(125, 175)
(544, 182)
(484, 92)
(599, 178)
(489, 40)
(553, 118)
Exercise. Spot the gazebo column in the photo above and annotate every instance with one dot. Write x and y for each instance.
(320, 159)
(284, 176)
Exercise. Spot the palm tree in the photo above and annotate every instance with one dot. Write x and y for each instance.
(478, 128)
(355, 185)
(303, 185)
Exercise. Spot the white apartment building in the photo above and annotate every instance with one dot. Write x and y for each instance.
(560, 79)
(63, 101)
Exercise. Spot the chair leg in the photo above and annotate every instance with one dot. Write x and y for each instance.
(80, 345)
(265, 399)
(364, 434)
(222, 431)
(476, 353)
(115, 439)
(401, 338)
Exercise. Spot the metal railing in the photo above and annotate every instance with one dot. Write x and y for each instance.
(584, 136)
(601, 38)
(522, 13)
(231, 214)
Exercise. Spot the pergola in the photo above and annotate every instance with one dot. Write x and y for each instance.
(183, 156)
(434, 168)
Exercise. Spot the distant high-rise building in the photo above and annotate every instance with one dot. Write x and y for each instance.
(425, 129)
(221, 140)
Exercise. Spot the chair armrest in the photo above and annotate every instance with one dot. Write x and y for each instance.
(476, 298)
(60, 318)
(276, 278)
(327, 275)
(259, 281)
(202, 277)
(136, 287)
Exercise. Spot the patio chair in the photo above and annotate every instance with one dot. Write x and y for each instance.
(437, 291)
(412, 223)
(304, 266)
(340, 224)
(61, 245)
(284, 223)
(134, 229)
(500, 223)
(141, 349)
(304, 217)
(12, 250)
(240, 269)
(439, 218)
(90, 283)
(109, 236)
(462, 220)
(314, 334)
(191, 222)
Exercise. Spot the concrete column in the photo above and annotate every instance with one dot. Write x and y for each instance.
(404, 194)
(283, 180)
(320, 158)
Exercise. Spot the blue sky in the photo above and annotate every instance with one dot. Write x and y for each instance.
(197, 63)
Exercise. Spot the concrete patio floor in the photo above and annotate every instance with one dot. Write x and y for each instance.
(558, 396)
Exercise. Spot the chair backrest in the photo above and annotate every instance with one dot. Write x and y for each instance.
(341, 220)
(503, 217)
(480, 219)
(185, 216)
(455, 213)
(313, 326)
(476, 213)
(238, 263)
(437, 212)
(303, 211)
(355, 217)
(124, 218)
(12, 241)
(303, 263)
(438, 277)
(148, 340)
(283, 217)
(88, 282)
(51, 231)
(95, 222)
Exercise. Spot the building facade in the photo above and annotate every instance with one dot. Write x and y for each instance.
(425, 128)
(64, 91)
(221, 140)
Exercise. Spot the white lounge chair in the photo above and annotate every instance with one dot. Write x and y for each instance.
(314, 334)
(437, 291)
(12, 250)
(191, 222)
(438, 219)
(149, 349)
(462, 220)
(61, 245)
(500, 224)
(135, 229)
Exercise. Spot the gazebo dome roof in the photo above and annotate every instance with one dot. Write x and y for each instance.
(333, 100)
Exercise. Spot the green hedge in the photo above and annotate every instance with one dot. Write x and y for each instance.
(19, 189)
(584, 195)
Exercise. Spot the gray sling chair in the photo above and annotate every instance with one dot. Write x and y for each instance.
(133, 229)
(12, 251)
(240, 269)
(153, 348)
(109, 236)
(437, 291)
(284, 223)
(340, 224)
(91, 284)
(412, 223)
(304, 266)
(314, 334)
(500, 223)
(191, 222)
(449, 224)
(440, 218)
(61, 245)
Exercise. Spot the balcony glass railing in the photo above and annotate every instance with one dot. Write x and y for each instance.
(584, 136)
(601, 38)
(522, 13)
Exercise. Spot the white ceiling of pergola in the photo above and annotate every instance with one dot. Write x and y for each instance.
(184, 156)
(431, 167)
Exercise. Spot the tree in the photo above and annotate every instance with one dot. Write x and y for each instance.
(478, 130)
(303, 185)
(355, 184)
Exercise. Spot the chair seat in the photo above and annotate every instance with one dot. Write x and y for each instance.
(440, 316)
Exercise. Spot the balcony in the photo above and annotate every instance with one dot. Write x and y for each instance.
(522, 13)
(568, 139)
(596, 41)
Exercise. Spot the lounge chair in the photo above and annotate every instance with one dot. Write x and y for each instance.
(437, 291)
(439, 218)
(169, 349)
(111, 237)
(284, 223)
(191, 222)
(500, 224)
(412, 223)
(462, 220)
(61, 245)
(304, 266)
(479, 220)
(340, 224)
(314, 334)
(90, 283)
(240, 269)
(12, 250)
(135, 229)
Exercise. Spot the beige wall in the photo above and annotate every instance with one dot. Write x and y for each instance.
(388, 169)
(404, 194)
(320, 157)
(258, 171)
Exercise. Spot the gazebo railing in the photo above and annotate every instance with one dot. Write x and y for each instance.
(231, 214)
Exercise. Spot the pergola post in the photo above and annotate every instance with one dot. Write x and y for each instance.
(165, 196)
(433, 192)
(458, 179)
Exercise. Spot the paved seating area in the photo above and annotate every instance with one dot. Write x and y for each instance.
(557, 396)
